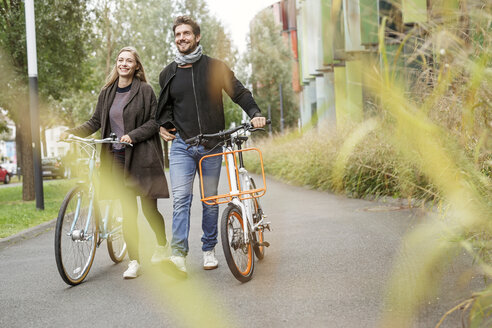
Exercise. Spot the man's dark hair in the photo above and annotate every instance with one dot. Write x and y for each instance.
(180, 20)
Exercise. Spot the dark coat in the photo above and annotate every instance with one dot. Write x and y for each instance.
(210, 77)
(144, 163)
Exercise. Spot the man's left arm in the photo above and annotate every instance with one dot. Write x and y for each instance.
(243, 97)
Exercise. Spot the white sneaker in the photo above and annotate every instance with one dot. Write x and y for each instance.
(161, 253)
(209, 260)
(179, 262)
(133, 270)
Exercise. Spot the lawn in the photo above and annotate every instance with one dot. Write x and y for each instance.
(17, 215)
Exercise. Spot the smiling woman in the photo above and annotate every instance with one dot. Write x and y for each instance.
(126, 111)
(126, 66)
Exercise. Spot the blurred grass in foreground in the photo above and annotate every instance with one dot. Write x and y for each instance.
(430, 141)
(17, 215)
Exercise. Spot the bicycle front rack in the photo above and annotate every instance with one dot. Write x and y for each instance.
(241, 194)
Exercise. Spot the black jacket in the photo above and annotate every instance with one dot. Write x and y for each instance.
(210, 77)
(144, 163)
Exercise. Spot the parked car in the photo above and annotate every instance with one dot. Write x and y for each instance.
(10, 167)
(53, 167)
(4, 175)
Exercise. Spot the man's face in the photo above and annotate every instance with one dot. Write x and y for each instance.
(185, 40)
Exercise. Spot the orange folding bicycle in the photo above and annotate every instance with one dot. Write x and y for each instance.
(243, 222)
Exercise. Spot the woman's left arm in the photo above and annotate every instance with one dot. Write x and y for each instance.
(150, 127)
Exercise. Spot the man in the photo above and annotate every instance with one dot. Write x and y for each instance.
(190, 103)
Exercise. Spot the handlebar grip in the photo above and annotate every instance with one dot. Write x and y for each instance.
(190, 140)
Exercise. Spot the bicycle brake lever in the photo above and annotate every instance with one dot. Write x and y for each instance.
(195, 143)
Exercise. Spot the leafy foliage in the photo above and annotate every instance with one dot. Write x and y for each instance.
(59, 72)
(270, 60)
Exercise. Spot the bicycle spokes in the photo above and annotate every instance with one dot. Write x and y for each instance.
(75, 236)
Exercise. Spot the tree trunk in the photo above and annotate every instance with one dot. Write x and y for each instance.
(26, 154)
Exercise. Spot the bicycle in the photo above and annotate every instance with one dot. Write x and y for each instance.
(243, 222)
(79, 226)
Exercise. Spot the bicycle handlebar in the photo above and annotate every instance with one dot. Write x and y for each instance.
(110, 140)
(224, 134)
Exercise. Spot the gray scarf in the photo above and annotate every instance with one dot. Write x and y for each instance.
(181, 59)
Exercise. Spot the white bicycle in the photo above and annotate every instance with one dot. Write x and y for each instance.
(80, 229)
(243, 222)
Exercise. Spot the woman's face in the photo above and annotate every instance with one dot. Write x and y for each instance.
(126, 64)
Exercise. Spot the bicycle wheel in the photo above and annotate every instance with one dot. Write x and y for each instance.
(238, 253)
(258, 234)
(116, 242)
(76, 235)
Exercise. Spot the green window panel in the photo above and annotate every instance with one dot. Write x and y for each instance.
(304, 53)
(355, 112)
(351, 12)
(327, 32)
(314, 34)
(338, 30)
(414, 11)
(369, 21)
(396, 62)
(340, 95)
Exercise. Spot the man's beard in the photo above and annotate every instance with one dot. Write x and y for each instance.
(192, 47)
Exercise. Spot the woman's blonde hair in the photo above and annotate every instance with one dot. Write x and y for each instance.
(139, 72)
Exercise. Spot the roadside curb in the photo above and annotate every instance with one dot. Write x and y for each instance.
(27, 234)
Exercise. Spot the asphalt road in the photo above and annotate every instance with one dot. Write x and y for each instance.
(327, 266)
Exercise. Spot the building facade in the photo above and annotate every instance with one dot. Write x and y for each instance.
(331, 41)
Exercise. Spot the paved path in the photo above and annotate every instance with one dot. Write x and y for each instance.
(327, 266)
(11, 184)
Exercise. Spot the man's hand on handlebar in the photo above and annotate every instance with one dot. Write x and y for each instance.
(166, 133)
(258, 122)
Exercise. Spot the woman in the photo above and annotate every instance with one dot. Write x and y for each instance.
(126, 107)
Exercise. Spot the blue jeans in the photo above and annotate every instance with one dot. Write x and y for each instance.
(183, 166)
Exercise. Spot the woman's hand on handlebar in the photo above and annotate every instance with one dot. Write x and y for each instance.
(126, 138)
(166, 133)
(64, 135)
(258, 122)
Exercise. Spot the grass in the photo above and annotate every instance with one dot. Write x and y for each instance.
(17, 215)
(430, 139)
(375, 168)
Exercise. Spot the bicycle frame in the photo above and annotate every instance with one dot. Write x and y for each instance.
(89, 146)
(240, 192)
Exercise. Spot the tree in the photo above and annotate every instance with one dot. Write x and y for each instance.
(271, 61)
(60, 25)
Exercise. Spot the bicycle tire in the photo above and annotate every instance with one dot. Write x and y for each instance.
(116, 242)
(239, 255)
(257, 234)
(74, 256)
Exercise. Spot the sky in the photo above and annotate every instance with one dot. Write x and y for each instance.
(236, 15)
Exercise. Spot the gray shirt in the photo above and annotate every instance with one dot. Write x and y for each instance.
(116, 113)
